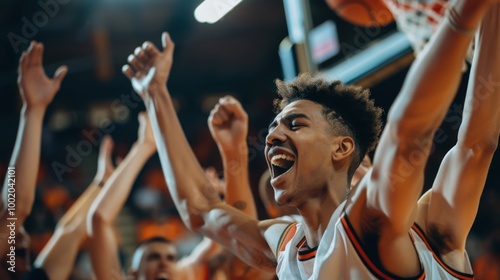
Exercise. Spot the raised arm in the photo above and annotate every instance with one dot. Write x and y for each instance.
(396, 181)
(37, 92)
(198, 204)
(457, 189)
(106, 207)
(228, 123)
(58, 256)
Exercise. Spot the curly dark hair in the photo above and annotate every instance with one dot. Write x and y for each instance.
(348, 109)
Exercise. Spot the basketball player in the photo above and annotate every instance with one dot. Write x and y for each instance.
(315, 143)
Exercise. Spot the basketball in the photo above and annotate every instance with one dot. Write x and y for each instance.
(362, 12)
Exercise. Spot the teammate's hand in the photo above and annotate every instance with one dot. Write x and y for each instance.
(105, 165)
(228, 123)
(149, 68)
(36, 89)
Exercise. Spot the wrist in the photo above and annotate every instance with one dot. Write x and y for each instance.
(144, 147)
(97, 182)
(157, 91)
(236, 150)
(466, 15)
(36, 112)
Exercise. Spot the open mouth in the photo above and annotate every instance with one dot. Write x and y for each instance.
(281, 163)
(163, 276)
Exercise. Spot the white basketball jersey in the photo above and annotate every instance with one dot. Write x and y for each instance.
(295, 258)
(340, 255)
(434, 267)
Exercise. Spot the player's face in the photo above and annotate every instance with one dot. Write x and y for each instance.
(158, 262)
(299, 151)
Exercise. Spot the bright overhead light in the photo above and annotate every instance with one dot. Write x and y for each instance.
(210, 11)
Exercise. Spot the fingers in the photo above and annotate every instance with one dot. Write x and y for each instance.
(150, 49)
(127, 71)
(142, 58)
(227, 109)
(233, 107)
(23, 61)
(136, 63)
(60, 74)
(106, 148)
(35, 54)
(23, 64)
(142, 117)
(219, 115)
(168, 44)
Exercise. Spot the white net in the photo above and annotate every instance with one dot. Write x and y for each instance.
(417, 18)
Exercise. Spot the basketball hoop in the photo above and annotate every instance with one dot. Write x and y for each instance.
(419, 20)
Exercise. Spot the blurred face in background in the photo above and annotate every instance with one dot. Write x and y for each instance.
(158, 261)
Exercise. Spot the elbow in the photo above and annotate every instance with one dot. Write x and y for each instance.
(479, 148)
(97, 220)
(406, 127)
(193, 217)
(411, 142)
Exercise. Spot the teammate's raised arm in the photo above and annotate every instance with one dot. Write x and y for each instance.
(108, 204)
(37, 91)
(429, 88)
(450, 208)
(198, 204)
(228, 123)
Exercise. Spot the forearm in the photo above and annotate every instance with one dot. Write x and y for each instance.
(77, 213)
(59, 254)
(435, 75)
(25, 159)
(103, 250)
(238, 191)
(190, 189)
(114, 193)
(463, 172)
(480, 126)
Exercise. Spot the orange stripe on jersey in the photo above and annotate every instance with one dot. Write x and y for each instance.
(451, 271)
(366, 260)
(285, 237)
(307, 255)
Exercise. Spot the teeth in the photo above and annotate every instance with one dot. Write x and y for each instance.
(278, 159)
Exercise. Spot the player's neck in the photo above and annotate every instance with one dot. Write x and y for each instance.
(315, 215)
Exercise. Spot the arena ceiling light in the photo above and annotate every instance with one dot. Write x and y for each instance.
(210, 11)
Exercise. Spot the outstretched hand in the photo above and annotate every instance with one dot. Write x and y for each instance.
(228, 123)
(105, 165)
(145, 134)
(37, 90)
(149, 67)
